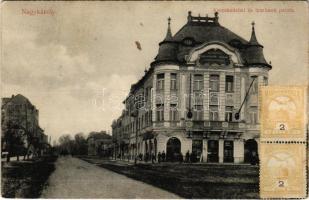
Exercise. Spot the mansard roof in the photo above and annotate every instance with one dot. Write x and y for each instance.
(199, 30)
(99, 135)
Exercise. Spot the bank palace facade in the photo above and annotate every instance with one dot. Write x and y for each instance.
(199, 95)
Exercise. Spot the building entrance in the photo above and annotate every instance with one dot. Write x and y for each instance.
(228, 151)
(173, 148)
(213, 149)
(197, 148)
(251, 151)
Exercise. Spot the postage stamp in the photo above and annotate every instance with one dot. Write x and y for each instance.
(283, 170)
(283, 113)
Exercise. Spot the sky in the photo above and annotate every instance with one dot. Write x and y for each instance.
(77, 64)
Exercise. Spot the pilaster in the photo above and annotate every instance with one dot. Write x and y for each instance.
(221, 150)
(154, 95)
(222, 97)
(205, 152)
(242, 96)
(167, 94)
(206, 97)
(182, 95)
(237, 96)
(238, 153)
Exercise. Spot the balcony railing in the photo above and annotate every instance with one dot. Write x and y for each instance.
(217, 125)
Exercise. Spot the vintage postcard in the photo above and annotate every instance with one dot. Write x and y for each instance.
(154, 99)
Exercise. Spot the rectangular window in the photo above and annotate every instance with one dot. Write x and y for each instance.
(213, 113)
(253, 117)
(229, 84)
(198, 82)
(214, 98)
(139, 101)
(160, 112)
(255, 86)
(147, 94)
(229, 113)
(265, 80)
(173, 112)
(160, 81)
(151, 95)
(198, 106)
(198, 112)
(214, 83)
(198, 98)
(173, 81)
(146, 119)
(150, 116)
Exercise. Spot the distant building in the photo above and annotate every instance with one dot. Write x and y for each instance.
(190, 98)
(21, 119)
(99, 144)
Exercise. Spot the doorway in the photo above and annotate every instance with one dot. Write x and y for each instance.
(251, 151)
(173, 148)
(213, 149)
(228, 151)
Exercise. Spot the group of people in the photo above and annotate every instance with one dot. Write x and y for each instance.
(152, 157)
(147, 157)
(172, 157)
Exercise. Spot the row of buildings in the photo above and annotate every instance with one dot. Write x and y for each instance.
(21, 132)
(199, 95)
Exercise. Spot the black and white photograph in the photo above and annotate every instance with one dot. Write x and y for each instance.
(144, 100)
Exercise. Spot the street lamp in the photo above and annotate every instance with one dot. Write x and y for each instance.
(237, 115)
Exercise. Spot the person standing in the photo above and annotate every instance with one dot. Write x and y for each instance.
(163, 156)
(159, 157)
(180, 158)
(153, 158)
(187, 156)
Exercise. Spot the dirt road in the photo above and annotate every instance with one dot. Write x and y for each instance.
(75, 178)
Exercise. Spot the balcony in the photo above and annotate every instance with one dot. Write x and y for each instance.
(214, 125)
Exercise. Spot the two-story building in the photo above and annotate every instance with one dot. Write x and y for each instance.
(99, 144)
(200, 95)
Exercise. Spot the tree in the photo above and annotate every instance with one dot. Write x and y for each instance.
(65, 144)
(14, 138)
(80, 144)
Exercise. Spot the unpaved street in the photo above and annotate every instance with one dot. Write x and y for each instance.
(75, 178)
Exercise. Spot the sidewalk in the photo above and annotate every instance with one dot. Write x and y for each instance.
(198, 180)
(131, 162)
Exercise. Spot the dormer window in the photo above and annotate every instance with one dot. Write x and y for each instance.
(214, 56)
(188, 41)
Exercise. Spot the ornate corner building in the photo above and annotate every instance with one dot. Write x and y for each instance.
(200, 95)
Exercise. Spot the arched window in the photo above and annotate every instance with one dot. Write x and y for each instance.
(214, 56)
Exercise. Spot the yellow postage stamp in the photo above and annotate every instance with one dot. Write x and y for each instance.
(283, 113)
(283, 170)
